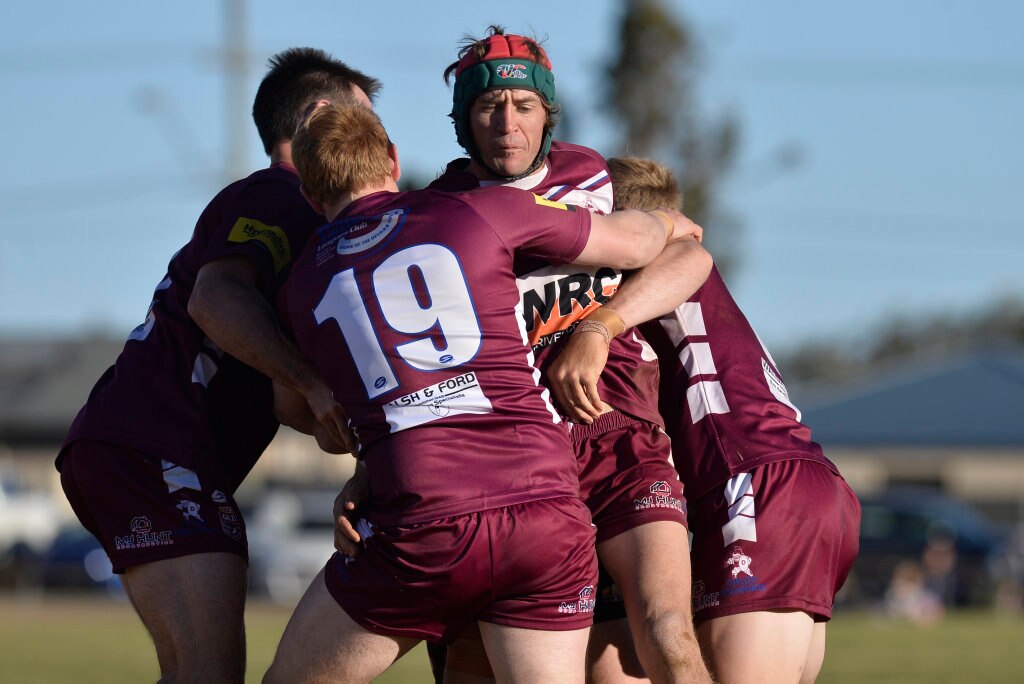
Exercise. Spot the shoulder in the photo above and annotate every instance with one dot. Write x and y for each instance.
(455, 177)
(568, 158)
(580, 176)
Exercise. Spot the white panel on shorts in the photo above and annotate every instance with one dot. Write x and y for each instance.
(176, 477)
(706, 397)
(697, 359)
(204, 369)
(739, 495)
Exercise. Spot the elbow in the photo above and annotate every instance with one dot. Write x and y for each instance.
(646, 248)
(705, 262)
(198, 304)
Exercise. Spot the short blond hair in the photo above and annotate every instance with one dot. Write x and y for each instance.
(338, 149)
(644, 184)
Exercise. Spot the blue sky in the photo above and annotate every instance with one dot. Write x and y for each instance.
(907, 116)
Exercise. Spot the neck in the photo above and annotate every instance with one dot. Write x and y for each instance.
(482, 172)
(281, 153)
(333, 209)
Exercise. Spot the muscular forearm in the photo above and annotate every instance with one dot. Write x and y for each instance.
(665, 283)
(241, 322)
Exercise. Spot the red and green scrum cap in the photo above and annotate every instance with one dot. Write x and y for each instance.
(510, 61)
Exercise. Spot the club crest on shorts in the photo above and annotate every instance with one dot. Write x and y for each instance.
(189, 509)
(740, 562)
(230, 521)
(742, 579)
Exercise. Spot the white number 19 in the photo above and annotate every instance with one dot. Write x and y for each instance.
(449, 307)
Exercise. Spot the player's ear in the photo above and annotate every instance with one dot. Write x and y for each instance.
(396, 166)
(317, 207)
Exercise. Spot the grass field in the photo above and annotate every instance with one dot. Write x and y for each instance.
(95, 640)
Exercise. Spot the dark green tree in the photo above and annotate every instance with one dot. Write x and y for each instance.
(651, 95)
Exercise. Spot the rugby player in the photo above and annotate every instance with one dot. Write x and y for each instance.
(406, 302)
(152, 461)
(775, 527)
(504, 112)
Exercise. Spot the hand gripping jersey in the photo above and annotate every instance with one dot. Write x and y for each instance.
(722, 396)
(407, 304)
(555, 298)
(172, 393)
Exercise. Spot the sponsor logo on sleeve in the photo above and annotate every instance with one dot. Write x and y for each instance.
(554, 205)
(273, 239)
(660, 497)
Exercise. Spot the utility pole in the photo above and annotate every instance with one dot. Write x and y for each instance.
(236, 79)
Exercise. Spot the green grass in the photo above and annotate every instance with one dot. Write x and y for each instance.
(94, 640)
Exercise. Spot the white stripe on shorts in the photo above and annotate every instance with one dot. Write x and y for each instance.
(739, 495)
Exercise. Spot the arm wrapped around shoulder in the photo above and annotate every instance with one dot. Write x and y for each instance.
(627, 239)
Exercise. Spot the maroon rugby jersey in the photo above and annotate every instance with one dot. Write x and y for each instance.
(722, 396)
(407, 304)
(172, 393)
(556, 297)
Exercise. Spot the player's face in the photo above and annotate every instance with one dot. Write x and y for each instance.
(508, 128)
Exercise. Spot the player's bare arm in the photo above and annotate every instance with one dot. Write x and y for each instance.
(226, 304)
(626, 239)
(292, 409)
(654, 290)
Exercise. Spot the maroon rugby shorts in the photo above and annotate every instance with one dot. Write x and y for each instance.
(531, 565)
(142, 509)
(783, 536)
(626, 474)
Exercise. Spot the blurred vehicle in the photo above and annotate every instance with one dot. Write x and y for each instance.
(291, 537)
(957, 548)
(76, 561)
(29, 519)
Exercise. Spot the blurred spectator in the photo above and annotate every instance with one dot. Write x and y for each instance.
(909, 597)
(939, 562)
(1010, 592)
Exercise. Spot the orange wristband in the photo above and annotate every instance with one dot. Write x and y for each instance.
(670, 225)
(609, 318)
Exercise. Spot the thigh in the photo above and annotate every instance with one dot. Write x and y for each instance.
(626, 476)
(323, 644)
(466, 661)
(530, 655)
(763, 646)
(142, 509)
(781, 537)
(651, 567)
(611, 655)
(193, 607)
